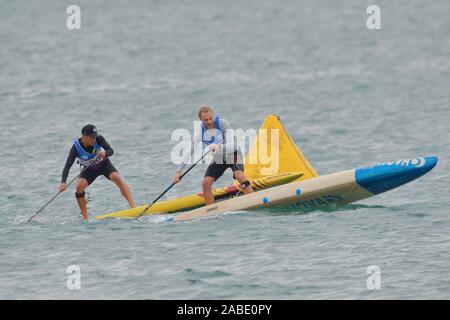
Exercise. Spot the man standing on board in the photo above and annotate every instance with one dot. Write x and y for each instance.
(214, 134)
(92, 150)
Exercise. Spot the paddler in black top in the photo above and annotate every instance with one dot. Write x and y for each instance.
(92, 150)
(217, 134)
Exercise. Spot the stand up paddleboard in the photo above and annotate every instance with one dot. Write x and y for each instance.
(336, 188)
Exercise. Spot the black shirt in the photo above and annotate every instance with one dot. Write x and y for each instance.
(73, 154)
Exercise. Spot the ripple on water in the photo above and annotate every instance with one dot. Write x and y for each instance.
(348, 101)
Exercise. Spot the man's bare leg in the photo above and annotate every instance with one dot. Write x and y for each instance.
(82, 184)
(124, 189)
(240, 176)
(207, 189)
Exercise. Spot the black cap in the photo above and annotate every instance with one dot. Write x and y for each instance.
(89, 130)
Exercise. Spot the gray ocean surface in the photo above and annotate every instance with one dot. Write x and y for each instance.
(138, 70)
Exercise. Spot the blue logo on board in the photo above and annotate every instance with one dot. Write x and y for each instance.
(416, 163)
(317, 201)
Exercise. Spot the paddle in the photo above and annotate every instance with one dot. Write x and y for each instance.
(173, 183)
(59, 192)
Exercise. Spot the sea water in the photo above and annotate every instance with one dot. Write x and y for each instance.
(349, 96)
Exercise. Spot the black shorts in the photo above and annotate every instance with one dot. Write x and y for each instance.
(216, 170)
(104, 170)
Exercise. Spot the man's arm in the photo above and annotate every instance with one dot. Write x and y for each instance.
(196, 139)
(69, 162)
(105, 145)
(187, 155)
(228, 146)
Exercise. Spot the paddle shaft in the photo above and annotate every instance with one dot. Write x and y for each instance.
(59, 192)
(173, 183)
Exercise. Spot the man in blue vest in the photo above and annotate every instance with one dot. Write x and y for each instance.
(93, 151)
(216, 133)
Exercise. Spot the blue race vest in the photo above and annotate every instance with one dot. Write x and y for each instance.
(85, 158)
(218, 135)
